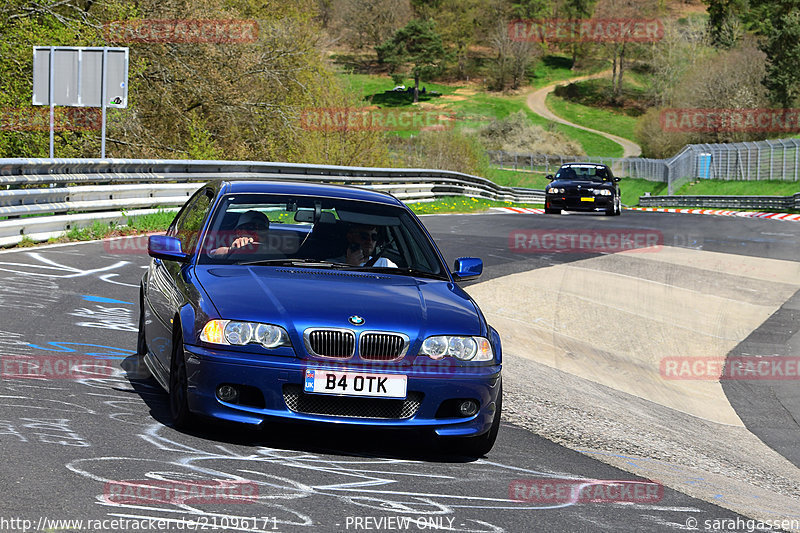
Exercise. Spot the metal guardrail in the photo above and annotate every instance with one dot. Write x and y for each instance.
(777, 160)
(70, 193)
(771, 203)
(631, 167)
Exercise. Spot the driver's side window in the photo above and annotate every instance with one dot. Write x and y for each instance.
(188, 225)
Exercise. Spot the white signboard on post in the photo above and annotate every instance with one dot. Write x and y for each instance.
(80, 77)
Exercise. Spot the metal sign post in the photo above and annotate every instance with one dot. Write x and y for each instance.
(88, 76)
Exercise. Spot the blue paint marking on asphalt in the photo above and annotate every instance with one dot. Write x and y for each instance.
(111, 352)
(104, 300)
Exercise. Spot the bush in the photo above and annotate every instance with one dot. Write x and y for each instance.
(516, 134)
(444, 150)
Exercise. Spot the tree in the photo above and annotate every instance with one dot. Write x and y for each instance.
(459, 22)
(726, 79)
(723, 21)
(779, 22)
(578, 9)
(684, 44)
(368, 23)
(621, 48)
(508, 67)
(525, 9)
(417, 44)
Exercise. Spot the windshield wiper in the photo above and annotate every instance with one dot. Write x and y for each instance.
(403, 271)
(298, 262)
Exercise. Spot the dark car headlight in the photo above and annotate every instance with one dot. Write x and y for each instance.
(602, 192)
(463, 348)
(555, 190)
(235, 333)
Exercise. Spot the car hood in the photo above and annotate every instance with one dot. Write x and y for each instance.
(299, 298)
(584, 184)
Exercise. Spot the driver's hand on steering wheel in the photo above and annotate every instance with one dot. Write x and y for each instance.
(242, 242)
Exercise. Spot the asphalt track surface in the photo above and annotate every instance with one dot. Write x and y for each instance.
(66, 440)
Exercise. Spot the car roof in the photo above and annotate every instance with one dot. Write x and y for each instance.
(596, 165)
(308, 189)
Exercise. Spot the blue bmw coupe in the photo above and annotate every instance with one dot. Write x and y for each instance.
(319, 304)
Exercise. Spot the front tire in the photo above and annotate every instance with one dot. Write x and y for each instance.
(179, 387)
(614, 209)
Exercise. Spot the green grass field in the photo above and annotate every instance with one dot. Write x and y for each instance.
(555, 68)
(739, 188)
(370, 86)
(477, 110)
(593, 117)
(461, 204)
(632, 189)
(481, 108)
(513, 178)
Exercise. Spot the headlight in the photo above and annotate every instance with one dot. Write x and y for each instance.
(233, 333)
(602, 192)
(463, 348)
(555, 190)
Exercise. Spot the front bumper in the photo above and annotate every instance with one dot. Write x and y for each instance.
(274, 380)
(571, 202)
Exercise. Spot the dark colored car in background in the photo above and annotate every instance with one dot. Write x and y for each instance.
(583, 187)
(286, 328)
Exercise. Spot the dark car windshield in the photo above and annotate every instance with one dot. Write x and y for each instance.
(316, 232)
(582, 172)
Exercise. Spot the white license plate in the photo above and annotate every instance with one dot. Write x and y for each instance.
(355, 383)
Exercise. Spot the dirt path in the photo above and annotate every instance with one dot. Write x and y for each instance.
(536, 102)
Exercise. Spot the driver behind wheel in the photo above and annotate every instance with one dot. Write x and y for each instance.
(251, 232)
(362, 240)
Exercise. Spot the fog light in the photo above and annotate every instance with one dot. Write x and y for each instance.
(228, 393)
(468, 407)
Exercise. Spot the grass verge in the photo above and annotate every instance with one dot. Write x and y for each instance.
(740, 188)
(475, 110)
(631, 189)
(555, 68)
(515, 178)
(461, 204)
(593, 117)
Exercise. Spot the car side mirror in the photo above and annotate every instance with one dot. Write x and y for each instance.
(466, 268)
(549, 177)
(167, 248)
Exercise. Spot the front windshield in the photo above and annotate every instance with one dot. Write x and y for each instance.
(317, 232)
(582, 172)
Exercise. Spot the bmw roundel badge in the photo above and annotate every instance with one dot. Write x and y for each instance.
(356, 320)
